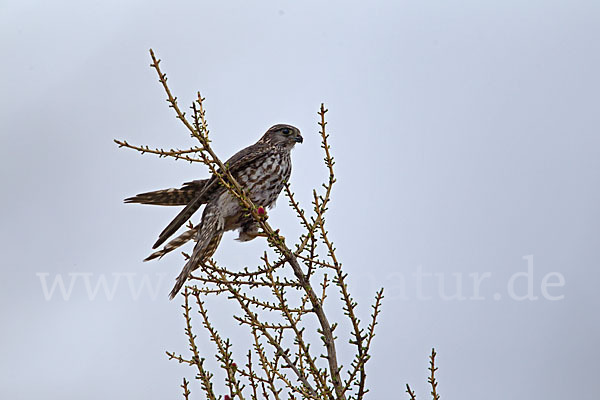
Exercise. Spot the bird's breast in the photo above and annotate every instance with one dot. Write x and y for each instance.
(264, 179)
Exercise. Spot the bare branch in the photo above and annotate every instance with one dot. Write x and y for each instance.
(431, 379)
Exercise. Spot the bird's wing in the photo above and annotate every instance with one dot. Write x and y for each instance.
(238, 161)
(175, 243)
(171, 197)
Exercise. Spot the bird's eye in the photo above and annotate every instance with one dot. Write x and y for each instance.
(286, 131)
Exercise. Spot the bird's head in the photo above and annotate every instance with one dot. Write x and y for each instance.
(282, 135)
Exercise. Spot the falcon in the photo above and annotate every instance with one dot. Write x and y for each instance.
(262, 169)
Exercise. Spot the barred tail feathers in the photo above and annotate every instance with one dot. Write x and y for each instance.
(172, 196)
(209, 237)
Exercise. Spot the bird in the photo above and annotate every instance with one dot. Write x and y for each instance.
(262, 169)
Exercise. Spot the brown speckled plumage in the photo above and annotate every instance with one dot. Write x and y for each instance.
(261, 169)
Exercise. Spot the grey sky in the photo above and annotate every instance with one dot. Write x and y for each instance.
(466, 138)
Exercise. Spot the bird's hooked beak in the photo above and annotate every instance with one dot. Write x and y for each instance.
(298, 139)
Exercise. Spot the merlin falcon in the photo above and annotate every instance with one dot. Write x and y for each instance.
(262, 169)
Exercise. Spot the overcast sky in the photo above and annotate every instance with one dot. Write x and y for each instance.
(466, 135)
